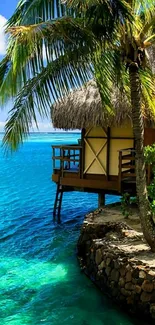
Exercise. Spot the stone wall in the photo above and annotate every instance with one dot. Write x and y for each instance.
(106, 257)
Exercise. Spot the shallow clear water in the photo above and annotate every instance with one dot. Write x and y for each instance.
(40, 279)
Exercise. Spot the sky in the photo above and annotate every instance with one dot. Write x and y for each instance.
(7, 8)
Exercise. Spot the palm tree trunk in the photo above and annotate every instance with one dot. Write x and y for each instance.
(146, 216)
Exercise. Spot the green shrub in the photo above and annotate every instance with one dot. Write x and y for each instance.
(149, 153)
(126, 202)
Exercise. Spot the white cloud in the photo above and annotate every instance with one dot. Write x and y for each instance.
(3, 21)
(43, 127)
(2, 124)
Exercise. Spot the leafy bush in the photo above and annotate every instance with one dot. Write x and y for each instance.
(149, 153)
(126, 202)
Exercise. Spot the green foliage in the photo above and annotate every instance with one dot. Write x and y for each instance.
(149, 153)
(56, 46)
(125, 205)
(126, 202)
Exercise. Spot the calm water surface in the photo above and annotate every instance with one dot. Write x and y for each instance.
(40, 279)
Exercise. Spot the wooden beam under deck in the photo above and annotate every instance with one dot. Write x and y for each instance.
(86, 183)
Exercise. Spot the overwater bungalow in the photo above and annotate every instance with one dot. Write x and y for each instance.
(103, 161)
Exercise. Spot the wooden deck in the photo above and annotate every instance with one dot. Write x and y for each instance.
(69, 175)
(68, 170)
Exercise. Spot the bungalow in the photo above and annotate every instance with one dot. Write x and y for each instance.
(104, 159)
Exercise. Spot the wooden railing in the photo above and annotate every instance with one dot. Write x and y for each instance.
(127, 167)
(67, 158)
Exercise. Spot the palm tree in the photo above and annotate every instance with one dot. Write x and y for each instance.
(55, 47)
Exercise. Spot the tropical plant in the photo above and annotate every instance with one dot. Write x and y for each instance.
(50, 50)
(149, 154)
(55, 47)
(127, 202)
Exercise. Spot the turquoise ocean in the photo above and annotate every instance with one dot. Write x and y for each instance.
(40, 279)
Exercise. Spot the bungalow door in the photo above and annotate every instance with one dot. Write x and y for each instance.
(95, 151)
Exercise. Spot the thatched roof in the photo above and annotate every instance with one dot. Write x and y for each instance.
(83, 108)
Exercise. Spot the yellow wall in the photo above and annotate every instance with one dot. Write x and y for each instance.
(121, 132)
(95, 168)
(96, 132)
(95, 144)
(115, 146)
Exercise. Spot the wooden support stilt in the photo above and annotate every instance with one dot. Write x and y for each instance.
(101, 200)
(58, 203)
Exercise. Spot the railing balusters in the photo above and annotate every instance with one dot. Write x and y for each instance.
(127, 168)
(69, 158)
(52, 158)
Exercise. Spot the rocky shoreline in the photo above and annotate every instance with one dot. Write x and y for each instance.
(119, 262)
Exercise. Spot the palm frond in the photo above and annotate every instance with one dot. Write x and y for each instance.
(148, 24)
(52, 83)
(36, 46)
(109, 74)
(4, 66)
(35, 11)
(57, 46)
(148, 90)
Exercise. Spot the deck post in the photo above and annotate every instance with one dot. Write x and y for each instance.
(120, 172)
(101, 200)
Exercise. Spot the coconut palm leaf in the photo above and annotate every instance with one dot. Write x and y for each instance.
(51, 83)
(36, 11)
(51, 41)
(148, 90)
(36, 46)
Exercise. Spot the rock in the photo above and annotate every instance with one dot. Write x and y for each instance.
(150, 275)
(125, 293)
(110, 255)
(128, 267)
(92, 256)
(147, 286)
(108, 261)
(121, 282)
(108, 270)
(134, 281)
(128, 276)
(115, 275)
(152, 310)
(129, 300)
(102, 265)
(122, 271)
(142, 275)
(98, 257)
(135, 273)
(145, 297)
(153, 296)
(138, 289)
(112, 236)
(139, 281)
(112, 284)
(119, 273)
(129, 286)
(116, 265)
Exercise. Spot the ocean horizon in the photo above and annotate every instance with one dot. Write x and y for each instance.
(41, 281)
